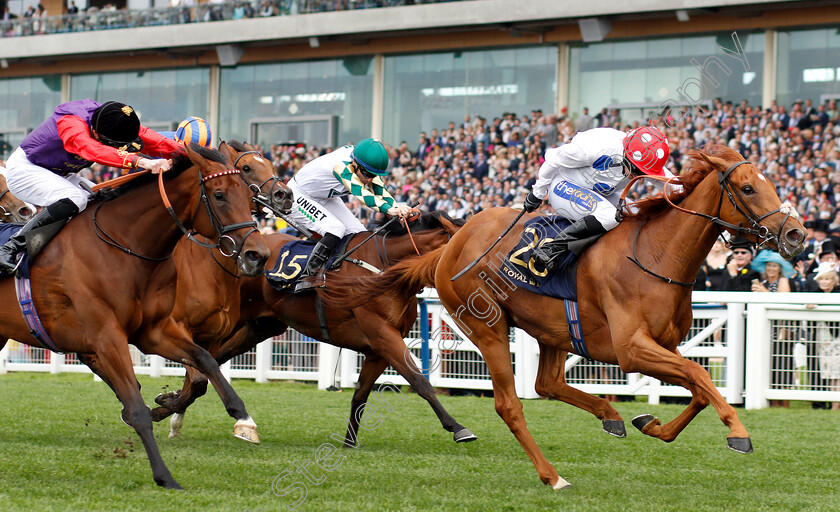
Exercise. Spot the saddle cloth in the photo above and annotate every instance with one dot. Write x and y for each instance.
(292, 260)
(522, 270)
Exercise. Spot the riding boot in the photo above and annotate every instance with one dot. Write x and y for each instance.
(58, 211)
(575, 238)
(315, 266)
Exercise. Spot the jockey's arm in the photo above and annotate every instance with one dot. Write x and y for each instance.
(75, 136)
(567, 156)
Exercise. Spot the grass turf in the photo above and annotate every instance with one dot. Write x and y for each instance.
(63, 447)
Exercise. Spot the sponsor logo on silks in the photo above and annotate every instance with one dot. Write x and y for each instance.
(311, 210)
(603, 188)
(576, 195)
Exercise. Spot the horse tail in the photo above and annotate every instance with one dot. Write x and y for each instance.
(397, 285)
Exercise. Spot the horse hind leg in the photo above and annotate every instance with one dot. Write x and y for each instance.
(372, 367)
(391, 347)
(551, 382)
(177, 402)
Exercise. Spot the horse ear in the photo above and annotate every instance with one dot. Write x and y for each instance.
(711, 161)
(195, 157)
(225, 150)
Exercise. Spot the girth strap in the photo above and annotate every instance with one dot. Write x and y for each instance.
(322, 319)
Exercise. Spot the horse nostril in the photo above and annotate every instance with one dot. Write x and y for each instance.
(25, 212)
(795, 236)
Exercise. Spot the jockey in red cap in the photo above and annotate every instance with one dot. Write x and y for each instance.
(584, 180)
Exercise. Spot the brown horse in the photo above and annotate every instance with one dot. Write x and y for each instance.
(12, 209)
(267, 312)
(630, 317)
(95, 298)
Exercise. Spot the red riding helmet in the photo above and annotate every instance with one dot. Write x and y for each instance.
(647, 148)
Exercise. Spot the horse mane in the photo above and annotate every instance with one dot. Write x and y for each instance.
(698, 168)
(426, 222)
(237, 146)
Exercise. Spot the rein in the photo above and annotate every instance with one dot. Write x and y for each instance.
(221, 229)
(762, 233)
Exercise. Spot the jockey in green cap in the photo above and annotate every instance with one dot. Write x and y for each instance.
(319, 186)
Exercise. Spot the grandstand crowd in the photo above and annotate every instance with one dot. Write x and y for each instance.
(481, 162)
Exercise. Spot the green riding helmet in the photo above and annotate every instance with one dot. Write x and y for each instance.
(371, 155)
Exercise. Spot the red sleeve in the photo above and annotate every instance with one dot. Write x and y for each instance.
(75, 135)
(156, 144)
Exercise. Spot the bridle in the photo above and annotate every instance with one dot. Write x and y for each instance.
(226, 244)
(6, 213)
(761, 232)
(259, 197)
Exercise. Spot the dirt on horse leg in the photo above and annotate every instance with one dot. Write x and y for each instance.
(176, 402)
(113, 363)
(551, 382)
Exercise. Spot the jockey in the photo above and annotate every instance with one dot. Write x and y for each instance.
(584, 180)
(318, 187)
(192, 130)
(43, 169)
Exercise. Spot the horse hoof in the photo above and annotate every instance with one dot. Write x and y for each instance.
(170, 484)
(740, 444)
(641, 421)
(163, 399)
(246, 430)
(464, 436)
(615, 428)
(560, 484)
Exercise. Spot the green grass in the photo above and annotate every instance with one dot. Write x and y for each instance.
(63, 447)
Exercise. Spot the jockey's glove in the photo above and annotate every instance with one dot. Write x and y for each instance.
(531, 202)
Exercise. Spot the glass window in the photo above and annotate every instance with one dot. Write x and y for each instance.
(422, 93)
(808, 65)
(24, 104)
(161, 98)
(340, 89)
(645, 74)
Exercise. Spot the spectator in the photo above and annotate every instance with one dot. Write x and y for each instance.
(828, 332)
(774, 271)
(714, 267)
(739, 275)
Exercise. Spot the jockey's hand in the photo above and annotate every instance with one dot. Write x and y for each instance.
(156, 166)
(401, 210)
(531, 203)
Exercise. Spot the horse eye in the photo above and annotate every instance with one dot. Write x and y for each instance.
(219, 195)
(747, 189)
(246, 168)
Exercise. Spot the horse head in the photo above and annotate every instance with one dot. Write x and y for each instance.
(258, 173)
(12, 209)
(226, 215)
(750, 206)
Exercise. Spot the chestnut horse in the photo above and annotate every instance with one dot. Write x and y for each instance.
(12, 209)
(266, 312)
(95, 298)
(629, 317)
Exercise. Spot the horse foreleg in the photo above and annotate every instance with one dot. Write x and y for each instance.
(652, 359)
(390, 345)
(551, 382)
(175, 344)
(113, 363)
